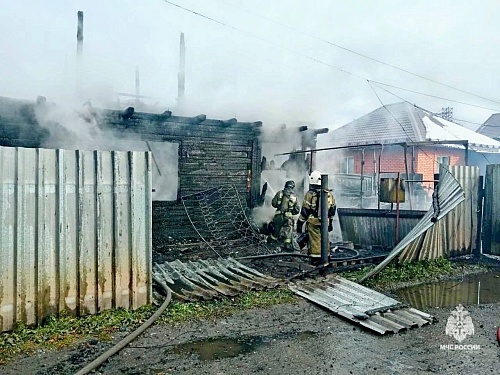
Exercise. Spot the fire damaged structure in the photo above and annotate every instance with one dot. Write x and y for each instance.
(83, 201)
(190, 154)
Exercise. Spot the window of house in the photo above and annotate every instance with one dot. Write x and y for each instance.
(444, 160)
(347, 164)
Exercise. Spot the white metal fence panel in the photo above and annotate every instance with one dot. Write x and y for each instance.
(456, 233)
(75, 232)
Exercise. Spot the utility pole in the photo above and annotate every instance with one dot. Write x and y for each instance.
(137, 85)
(79, 54)
(181, 77)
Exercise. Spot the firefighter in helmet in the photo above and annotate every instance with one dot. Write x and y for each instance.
(287, 205)
(310, 214)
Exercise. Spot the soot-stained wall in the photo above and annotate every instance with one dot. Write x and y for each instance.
(210, 152)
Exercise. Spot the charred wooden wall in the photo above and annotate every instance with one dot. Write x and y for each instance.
(211, 153)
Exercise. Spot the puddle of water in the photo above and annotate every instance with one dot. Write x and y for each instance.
(472, 290)
(216, 348)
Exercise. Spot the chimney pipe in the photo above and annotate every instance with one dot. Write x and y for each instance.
(137, 84)
(79, 33)
(79, 52)
(181, 78)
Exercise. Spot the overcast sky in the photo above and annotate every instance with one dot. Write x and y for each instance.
(263, 70)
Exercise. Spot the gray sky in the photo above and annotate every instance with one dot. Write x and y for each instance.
(278, 76)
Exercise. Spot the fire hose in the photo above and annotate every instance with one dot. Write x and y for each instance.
(300, 255)
(128, 339)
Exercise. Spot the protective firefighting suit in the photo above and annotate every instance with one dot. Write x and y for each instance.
(310, 214)
(287, 205)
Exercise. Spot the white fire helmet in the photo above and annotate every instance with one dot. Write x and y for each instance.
(315, 178)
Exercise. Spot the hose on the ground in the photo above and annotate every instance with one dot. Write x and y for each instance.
(340, 259)
(264, 256)
(128, 339)
(300, 255)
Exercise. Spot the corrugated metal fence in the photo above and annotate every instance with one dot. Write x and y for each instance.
(75, 232)
(454, 235)
(491, 225)
(371, 227)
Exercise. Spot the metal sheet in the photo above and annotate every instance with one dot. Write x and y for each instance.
(456, 233)
(75, 232)
(362, 305)
(371, 227)
(207, 279)
(450, 195)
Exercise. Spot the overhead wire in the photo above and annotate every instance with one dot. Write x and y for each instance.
(470, 191)
(456, 228)
(340, 69)
(315, 59)
(356, 53)
(435, 96)
(353, 74)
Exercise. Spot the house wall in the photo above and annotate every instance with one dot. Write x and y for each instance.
(426, 161)
(392, 160)
(211, 152)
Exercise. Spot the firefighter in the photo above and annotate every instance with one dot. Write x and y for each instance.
(310, 214)
(287, 205)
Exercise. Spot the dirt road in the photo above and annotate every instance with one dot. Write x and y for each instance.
(296, 338)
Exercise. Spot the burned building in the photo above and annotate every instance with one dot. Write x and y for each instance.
(190, 154)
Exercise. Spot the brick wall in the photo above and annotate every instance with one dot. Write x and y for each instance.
(392, 160)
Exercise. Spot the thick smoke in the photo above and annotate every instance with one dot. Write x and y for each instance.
(82, 129)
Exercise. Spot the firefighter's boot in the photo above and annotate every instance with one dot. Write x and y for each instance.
(315, 261)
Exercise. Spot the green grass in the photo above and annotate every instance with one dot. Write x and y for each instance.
(57, 332)
(63, 330)
(413, 272)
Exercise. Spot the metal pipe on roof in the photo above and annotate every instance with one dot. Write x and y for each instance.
(463, 142)
(181, 78)
(137, 84)
(79, 53)
(332, 148)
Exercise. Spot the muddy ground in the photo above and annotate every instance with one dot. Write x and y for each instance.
(299, 338)
(287, 339)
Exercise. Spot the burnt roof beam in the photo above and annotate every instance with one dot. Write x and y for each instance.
(198, 119)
